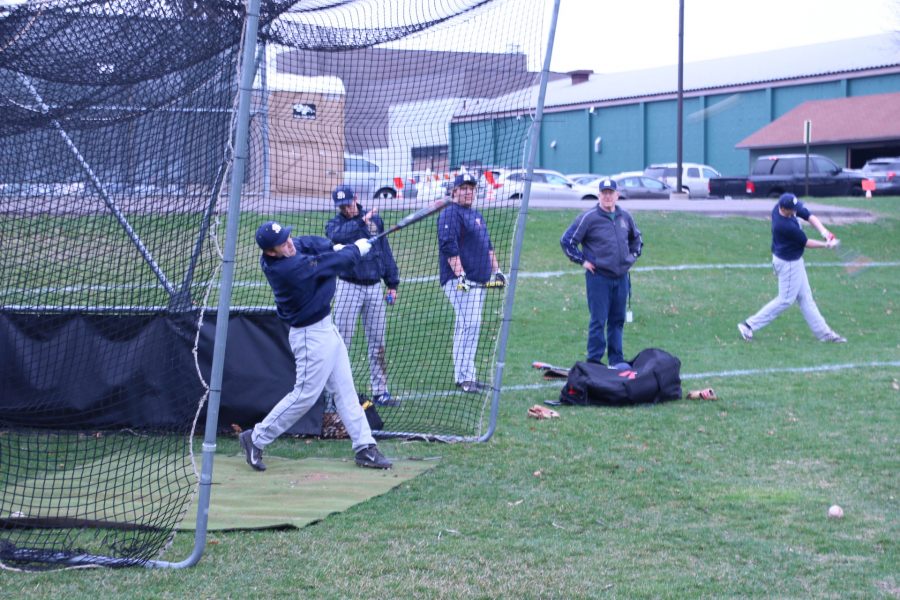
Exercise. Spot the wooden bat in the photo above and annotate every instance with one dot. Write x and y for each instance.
(423, 213)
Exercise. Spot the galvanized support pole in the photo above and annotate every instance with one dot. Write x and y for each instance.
(531, 152)
(680, 131)
(248, 64)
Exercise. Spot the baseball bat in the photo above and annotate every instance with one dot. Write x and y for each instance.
(423, 213)
(544, 366)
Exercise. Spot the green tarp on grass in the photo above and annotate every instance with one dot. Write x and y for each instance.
(293, 493)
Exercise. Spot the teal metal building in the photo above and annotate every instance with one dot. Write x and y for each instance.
(609, 123)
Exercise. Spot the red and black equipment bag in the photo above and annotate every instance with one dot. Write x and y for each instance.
(653, 376)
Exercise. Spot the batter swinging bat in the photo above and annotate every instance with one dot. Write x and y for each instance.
(432, 209)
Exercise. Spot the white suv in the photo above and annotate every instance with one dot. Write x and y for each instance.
(694, 177)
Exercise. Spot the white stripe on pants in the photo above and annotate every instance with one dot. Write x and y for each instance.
(466, 328)
(322, 363)
(351, 300)
(793, 286)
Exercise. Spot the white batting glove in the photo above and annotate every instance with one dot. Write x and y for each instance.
(338, 247)
(364, 246)
(833, 242)
(463, 284)
(828, 236)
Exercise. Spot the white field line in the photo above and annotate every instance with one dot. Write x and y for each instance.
(431, 278)
(732, 373)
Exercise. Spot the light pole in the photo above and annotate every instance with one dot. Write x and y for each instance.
(680, 133)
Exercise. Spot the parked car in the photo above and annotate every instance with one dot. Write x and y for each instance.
(885, 172)
(694, 177)
(545, 185)
(367, 180)
(634, 184)
(728, 187)
(776, 174)
(588, 179)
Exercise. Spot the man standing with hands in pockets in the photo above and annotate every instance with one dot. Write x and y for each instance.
(610, 243)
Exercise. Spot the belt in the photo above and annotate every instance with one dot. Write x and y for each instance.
(360, 281)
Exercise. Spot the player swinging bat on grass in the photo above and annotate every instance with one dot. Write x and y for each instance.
(467, 266)
(301, 272)
(788, 244)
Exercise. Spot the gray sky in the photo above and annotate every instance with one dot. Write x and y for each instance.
(614, 35)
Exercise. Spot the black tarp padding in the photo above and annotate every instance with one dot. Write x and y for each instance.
(84, 371)
(259, 370)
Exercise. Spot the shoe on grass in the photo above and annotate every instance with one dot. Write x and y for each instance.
(746, 332)
(385, 399)
(372, 458)
(472, 387)
(834, 338)
(251, 452)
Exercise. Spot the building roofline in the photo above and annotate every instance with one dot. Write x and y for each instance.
(691, 93)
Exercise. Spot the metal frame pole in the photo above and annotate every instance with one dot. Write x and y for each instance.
(531, 153)
(248, 67)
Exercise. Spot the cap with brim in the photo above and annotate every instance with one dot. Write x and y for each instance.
(271, 234)
(342, 195)
(789, 202)
(608, 184)
(464, 179)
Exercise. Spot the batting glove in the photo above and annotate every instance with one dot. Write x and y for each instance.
(390, 297)
(338, 247)
(828, 236)
(463, 284)
(364, 246)
(498, 279)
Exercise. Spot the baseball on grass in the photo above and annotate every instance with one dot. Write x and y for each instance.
(835, 512)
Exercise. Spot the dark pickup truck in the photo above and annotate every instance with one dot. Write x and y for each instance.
(779, 173)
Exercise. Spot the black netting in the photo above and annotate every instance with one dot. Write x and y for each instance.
(116, 124)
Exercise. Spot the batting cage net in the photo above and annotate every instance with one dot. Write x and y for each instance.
(117, 124)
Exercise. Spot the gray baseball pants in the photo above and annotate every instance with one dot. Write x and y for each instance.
(322, 363)
(466, 328)
(351, 300)
(793, 286)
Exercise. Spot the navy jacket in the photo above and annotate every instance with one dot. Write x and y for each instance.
(788, 238)
(462, 232)
(304, 284)
(610, 241)
(378, 263)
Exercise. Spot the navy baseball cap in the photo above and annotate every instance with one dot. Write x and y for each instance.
(789, 202)
(271, 234)
(607, 184)
(342, 194)
(464, 179)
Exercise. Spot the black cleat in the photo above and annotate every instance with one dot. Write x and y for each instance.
(251, 452)
(385, 399)
(472, 387)
(372, 458)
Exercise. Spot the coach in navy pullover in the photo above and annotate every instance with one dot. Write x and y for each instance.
(304, 284)
(609, 240)
(379, 263)
(466, 261)
(462, 232)
(610, 243)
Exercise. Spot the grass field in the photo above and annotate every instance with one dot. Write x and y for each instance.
(680, 500)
